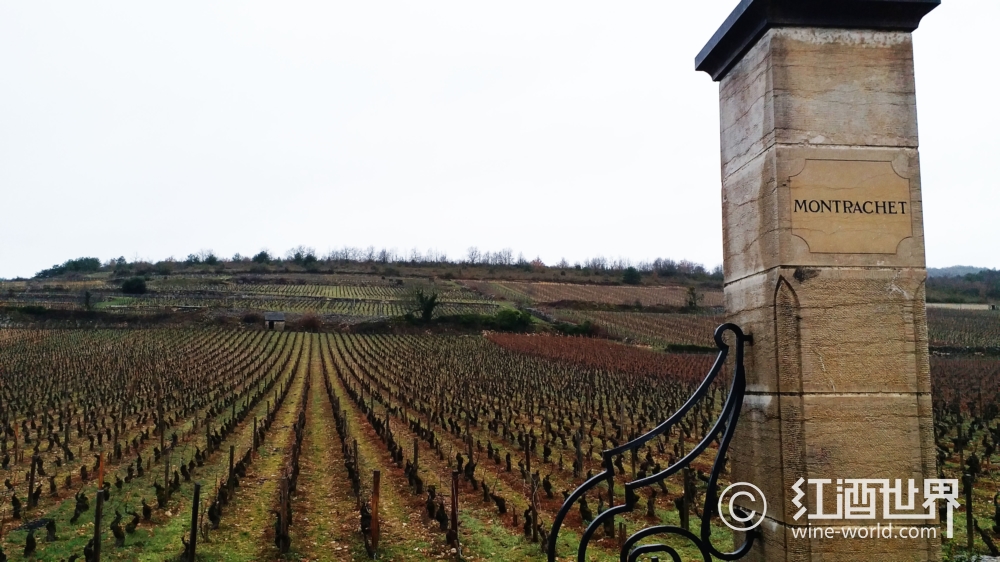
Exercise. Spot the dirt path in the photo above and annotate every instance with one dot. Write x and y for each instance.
(325, 521)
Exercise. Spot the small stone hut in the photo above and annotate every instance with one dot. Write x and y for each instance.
(274, 321)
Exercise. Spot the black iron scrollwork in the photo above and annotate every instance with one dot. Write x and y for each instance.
(725, 424)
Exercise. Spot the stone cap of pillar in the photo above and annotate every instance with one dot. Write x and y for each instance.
(752, 18)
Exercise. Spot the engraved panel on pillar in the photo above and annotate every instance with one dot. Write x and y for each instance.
(850, 207)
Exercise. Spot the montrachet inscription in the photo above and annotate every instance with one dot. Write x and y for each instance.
(850, 207)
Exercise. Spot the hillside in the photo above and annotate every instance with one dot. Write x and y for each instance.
(953, 271)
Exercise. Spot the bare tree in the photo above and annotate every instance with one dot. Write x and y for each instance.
(472, 255)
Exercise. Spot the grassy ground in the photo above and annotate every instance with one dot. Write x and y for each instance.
(245, 532)
(157, 540)
(325, 523)
(484, 533)
(404, 536)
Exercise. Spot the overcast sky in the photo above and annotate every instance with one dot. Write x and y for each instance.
(560, 129)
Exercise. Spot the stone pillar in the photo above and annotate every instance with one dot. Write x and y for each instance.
(824, 258)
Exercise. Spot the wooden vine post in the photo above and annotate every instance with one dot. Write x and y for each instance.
(31, 482)
(229, 482)
(532, 492)
(970, 519)
(454, 507)
(99, 508)
(194, 521)
(284, 515)
(376, 484)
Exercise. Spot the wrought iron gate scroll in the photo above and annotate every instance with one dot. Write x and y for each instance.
(725, 425)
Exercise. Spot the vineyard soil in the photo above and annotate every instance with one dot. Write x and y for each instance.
(519, 419)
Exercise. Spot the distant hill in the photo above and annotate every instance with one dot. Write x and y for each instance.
(953, 271)
(980, 286)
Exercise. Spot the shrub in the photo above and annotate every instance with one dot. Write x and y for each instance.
(693, 299)
(253, 318)
(587, 328)
(310, 323)
(631, 276)
(79, 265)
(424, 303)
(83, 265)
(506, 320)
(134, 286)
(512, 320)
(122, 267)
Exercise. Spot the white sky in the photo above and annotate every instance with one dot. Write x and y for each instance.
(560, 129)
